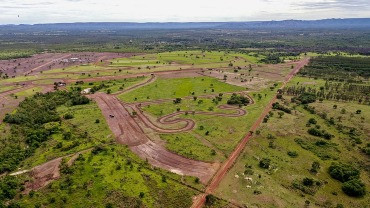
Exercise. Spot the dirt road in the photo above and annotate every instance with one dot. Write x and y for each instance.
(173, 118)
(128, 132)
(200, 200)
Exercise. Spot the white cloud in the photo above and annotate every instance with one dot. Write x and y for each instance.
(46, 11)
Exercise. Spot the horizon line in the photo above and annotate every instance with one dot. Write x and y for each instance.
(163, 22)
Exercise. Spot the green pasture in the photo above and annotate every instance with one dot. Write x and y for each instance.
(177, 88)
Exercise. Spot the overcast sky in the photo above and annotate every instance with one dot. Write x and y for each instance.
(52, 11)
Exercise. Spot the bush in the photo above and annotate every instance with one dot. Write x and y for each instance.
(354, 188)
(306, 98)
(265, 163)
(8, 187)
(177, 100)
(98, 149)
(293, 154)
(236, 99)
(320, 133)
(308, 181)
(281, 107)
(315, 167)
(68, 116)
(210, 199)
(79, 100)
(343, 172)
(312, 121)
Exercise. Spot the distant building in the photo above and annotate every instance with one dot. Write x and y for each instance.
(61, 84)
(86, 91)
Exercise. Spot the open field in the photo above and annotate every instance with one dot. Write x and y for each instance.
(165, 129)
(275, 185)
(178, 87)
(274, 168)
(46, 61)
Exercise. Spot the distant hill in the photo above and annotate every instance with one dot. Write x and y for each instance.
(354, 23)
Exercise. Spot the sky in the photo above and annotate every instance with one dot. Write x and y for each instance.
(62, 11)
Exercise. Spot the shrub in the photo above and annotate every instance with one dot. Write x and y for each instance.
(236, 99)
(210, 199)
(79, 100)
(306, 98)
(308, 181)
(177, 100)
(354, 188)
(312, 121)
(293, 154)
(343, 172)
(98, 149)
(281, 107)
(320, 133)
(265, 163)
(315, 167)
(8, 187)
(68, 116)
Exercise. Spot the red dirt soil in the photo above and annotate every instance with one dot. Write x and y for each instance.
(128, 132)
(45, 173)
(173, 118)
(47, 61)
(221, 173)
(8, 103)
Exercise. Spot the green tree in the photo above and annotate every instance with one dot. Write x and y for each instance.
(343, 172)
(265, 163)
(354, 188)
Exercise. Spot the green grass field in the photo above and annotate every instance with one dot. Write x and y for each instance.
(114, 176)
(273, 187)
(28, 92)
(84, 120)
(224, 133)
(6, 88)
(179, 87)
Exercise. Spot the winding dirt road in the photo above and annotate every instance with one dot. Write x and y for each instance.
(173, 118)
(128, 132)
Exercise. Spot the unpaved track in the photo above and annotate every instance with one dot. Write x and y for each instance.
(221, 173)
(173, 118)
(116, 77)
(150, 80)
(47, 64)
(128, 132)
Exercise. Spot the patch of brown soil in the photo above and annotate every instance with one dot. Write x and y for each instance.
(128, 131)
(48, 61)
